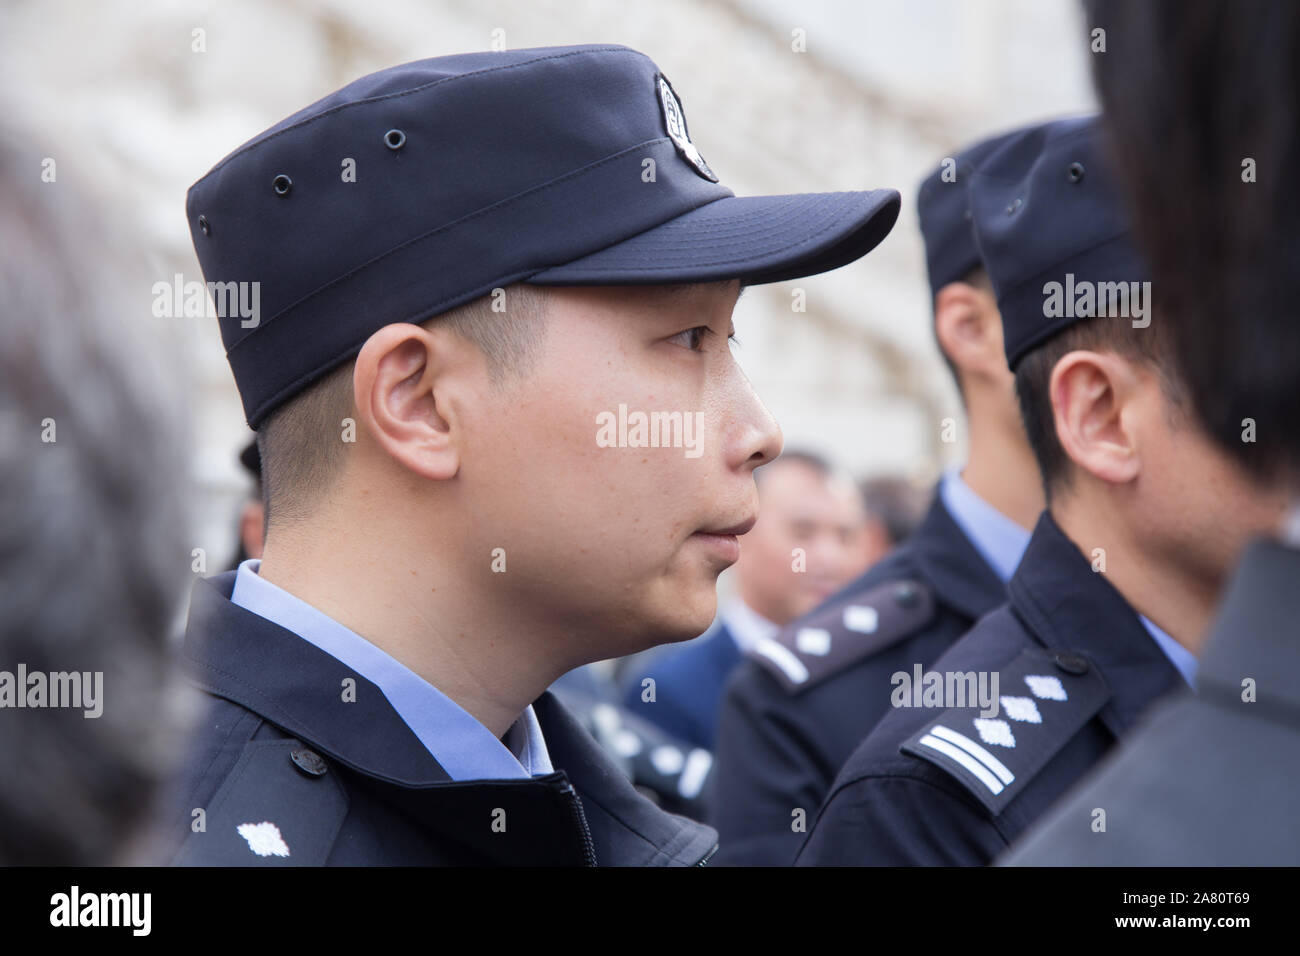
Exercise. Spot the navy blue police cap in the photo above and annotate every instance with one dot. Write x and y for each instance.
(422, 187)
(943, 208)
(1047, 209)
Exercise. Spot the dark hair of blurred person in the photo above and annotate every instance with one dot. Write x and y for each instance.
(1203, 103)
(252, 511)
(93, 555)
(895, 506)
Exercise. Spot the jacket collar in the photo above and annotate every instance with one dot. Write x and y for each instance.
(237, 655)
(946, 558)
(1071, 609)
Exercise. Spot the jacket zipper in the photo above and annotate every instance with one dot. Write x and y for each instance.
(575, 808)
(708, 856)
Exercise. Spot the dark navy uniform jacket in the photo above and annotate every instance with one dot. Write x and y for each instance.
(790, 717)
(688, 684)
(350, 784)
(1210, 778)
(1076, 670)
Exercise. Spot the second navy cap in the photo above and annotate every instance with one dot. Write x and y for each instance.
(425, 186)
(1048, 215)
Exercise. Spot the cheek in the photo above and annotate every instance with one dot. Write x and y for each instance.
(612, 512)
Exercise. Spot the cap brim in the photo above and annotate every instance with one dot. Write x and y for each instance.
(756, 239)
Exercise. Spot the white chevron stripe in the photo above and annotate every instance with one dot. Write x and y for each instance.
(965, 759)
(698, 762)
(976, 751)
(783, 658)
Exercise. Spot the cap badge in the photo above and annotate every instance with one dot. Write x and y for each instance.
(675, 121)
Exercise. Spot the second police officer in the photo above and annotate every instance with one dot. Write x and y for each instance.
(1145, 518)
(802, 700)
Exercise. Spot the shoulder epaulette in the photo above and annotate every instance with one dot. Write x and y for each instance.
(1041, 700)
(843, 633)
(280, 804)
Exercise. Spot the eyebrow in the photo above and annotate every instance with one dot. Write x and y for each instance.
(681, 288)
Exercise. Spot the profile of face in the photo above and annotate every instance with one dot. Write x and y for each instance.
(604, 488)
(1195, 502)
(808, 542)
(1186, 501)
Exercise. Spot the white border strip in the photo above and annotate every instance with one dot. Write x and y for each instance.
(976, 751)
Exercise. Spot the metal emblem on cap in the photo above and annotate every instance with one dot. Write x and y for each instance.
(675, 121)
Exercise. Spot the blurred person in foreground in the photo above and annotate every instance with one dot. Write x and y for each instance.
(251, 523)
(93, 553)
(1203, 100)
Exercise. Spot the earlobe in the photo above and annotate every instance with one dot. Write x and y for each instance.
(396, 388)
(1090, 393)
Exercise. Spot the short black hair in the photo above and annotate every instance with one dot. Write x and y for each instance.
(299, 444)
(1203, 104)
(1151, 346)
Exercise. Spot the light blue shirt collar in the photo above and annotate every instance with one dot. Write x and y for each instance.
(462, 746)
(1183, 659)
(998, 539)
(748, 628)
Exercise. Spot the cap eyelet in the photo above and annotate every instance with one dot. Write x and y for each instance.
(394, 139)
(1074, 172)
(282, 184)
(204, 227)
(1015, 205)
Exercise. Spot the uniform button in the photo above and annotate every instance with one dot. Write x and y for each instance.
(1071, 663)
(907, 595)
(308, 761)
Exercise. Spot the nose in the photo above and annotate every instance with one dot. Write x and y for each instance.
(756, 439)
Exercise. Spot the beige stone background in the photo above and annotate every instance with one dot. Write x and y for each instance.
(884, 90)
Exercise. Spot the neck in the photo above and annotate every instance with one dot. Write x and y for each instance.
(1001, 470)
(429, 614)
(1177, 601)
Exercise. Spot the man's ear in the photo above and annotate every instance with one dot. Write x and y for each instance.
(969, 329)
(396, 387)
(1095, 406)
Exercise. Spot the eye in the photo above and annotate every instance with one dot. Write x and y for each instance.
(694, 338)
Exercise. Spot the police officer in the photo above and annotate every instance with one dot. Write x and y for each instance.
(803, 699)
(1144, 518)
(1210, 780)
(449, 275)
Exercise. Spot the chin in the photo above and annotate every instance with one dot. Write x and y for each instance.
(683, 616)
